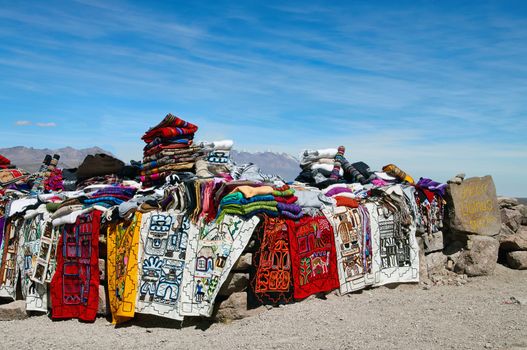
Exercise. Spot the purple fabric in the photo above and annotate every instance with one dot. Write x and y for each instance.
(431, 185)
(292, 216)
(120, 190)
(337, 190)
(2, 222)
(292, 208)
(379, 182)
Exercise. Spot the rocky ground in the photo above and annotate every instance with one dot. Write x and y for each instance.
(486, 312)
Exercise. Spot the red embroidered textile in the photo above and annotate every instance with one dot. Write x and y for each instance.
(313, 256)
(75, 285)
(271, 276)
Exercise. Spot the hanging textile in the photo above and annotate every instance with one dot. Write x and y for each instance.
(75, 285)
(212, 252)
(271, 280)
(313, 256)
(162, 252)
(353, 246)
(122, 275)
(395, 249)
(35, 294)
(9, 248)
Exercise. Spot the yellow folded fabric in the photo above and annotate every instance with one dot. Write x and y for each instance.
(249, 191)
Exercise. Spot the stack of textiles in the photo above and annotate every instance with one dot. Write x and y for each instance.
(286, 202)
(346, 195)
(169, 148)
(317, 167)
(247, 201)
(109, 196)
(325, 167)
(216, 160)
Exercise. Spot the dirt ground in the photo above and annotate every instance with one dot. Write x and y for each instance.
(477, 315)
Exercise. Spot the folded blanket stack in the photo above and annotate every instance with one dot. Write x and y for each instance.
(109, 196)
(286, 199)
(169, 148)
(247, 201)
(319, 167)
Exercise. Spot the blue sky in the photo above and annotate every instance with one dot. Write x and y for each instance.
(436, 87)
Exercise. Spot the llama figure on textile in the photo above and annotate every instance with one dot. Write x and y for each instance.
(319, 263)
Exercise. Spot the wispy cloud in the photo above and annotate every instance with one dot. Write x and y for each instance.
(22, 123)
(393, 83)
(46, 125)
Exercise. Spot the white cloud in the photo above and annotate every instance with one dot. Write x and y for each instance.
(22, 122)
(46, 125)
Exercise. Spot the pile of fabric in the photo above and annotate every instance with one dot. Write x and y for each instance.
(171, 240)
(169, 148)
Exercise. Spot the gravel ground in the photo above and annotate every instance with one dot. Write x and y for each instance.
(477, 315)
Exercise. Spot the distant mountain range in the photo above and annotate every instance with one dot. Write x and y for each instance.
(30, 158)
(282, 164)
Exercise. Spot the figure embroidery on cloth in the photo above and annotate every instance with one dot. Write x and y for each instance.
(123, 247)
(212, 252)
(271, 276)
(75, 285)
(162, 252)
(313, 256)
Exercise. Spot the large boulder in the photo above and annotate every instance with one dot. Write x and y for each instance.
(15, 310)
(235, 282)
(517, 260)
(515, 241)
(511, 218)
(235, 308)
(480, 257)
(507, 202)
(244, 263)
(433, 242)
(436, 263)
(473, 207)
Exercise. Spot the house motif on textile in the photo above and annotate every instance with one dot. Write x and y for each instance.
(212, 252)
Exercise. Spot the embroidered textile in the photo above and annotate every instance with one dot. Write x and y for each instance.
(313, 256)
(212, 253)
(162, 252)
(353, 247)
(75, 285)
(271, 277)
(122, 273)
